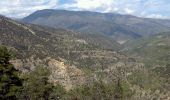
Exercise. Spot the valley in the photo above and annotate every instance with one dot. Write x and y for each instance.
(93, 56)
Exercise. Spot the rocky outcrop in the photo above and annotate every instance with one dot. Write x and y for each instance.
(68, 76)
(141, 94)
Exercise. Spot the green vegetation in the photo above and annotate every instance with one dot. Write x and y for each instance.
(10, 83)
(105, 74)
(152, 50)
(99, 91)
(76, 49)
(36, 86)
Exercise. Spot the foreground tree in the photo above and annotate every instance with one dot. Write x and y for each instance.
(10, 84)
(36, 86)
(118, 91)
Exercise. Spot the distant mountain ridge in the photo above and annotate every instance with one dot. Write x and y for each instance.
(119, 27)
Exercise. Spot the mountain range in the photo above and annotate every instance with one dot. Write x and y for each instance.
(119, 27)
(81, 47)
(63, 51)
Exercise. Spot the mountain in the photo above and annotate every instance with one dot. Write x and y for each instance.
(119, 27)
(154, 49)
(74, 59)
(64, 52)
(42, 42)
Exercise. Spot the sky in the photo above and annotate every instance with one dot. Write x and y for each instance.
(141, 8)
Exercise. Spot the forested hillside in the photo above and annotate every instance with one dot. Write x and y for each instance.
(52, 64)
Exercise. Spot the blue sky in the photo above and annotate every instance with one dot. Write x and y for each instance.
(142, 8)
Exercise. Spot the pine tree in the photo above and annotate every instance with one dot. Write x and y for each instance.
(10, 84)
(118, 91)
(37, 87)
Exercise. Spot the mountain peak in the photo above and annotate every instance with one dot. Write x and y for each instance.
(119, 27)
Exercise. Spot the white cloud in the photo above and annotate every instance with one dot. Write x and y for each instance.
(21, 8)
(152, 15)
(156, 16)
(92, 5)
(129, 11)
(117, 6)
(142, 8)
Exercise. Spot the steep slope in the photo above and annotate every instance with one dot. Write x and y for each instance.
(101, 40)
(154, 49)
(61, 50)
(155, 53)
(76, 59)
(119, 27)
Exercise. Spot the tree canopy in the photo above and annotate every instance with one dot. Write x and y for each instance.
(10, 83)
